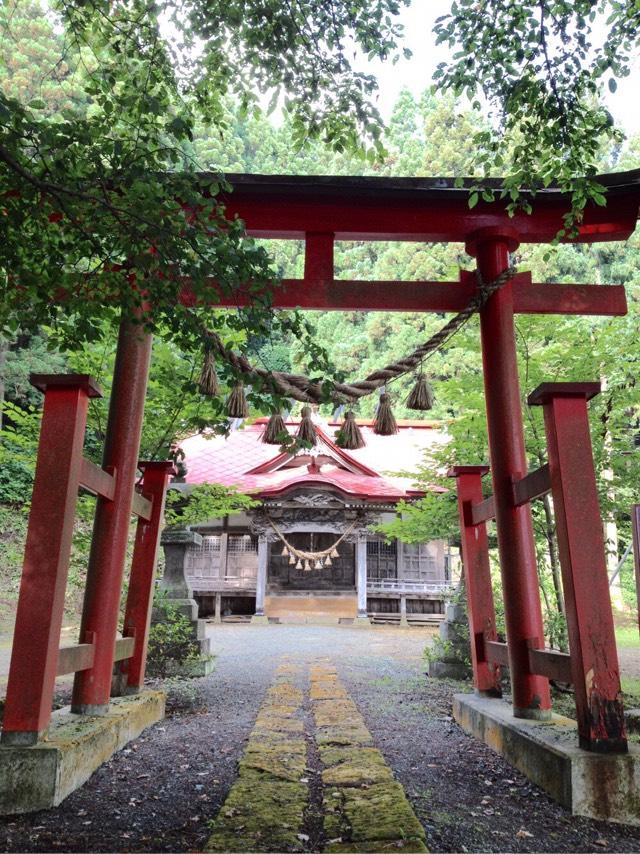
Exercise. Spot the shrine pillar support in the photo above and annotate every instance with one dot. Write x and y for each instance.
(261, 580)
(111, 527)
(523, 613)
(361, 580)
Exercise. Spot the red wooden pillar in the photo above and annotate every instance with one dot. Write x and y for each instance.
(635, 531)
(92, 687)
(477, 574)
(137, 615)
(523, 613)
(36, 638)
(594, 659)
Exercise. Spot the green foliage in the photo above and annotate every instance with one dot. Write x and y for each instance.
(13, 530)
(171, 640)
(540, 65)
(433, 517)
(204, 502)
(106, 201)
(18, 443)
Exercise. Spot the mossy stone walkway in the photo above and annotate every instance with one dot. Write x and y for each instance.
(310, 767)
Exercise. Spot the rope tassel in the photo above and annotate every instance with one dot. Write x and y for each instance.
(273, 434)
(421, 395)
(385, 422)
(307, 430)
(208, 382)
(349, 436)
(237, 402)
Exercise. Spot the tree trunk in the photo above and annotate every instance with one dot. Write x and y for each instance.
(4, 347)
(554, 562)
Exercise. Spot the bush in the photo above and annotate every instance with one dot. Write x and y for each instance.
(172, 645)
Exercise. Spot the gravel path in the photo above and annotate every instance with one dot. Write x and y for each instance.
(161, 792)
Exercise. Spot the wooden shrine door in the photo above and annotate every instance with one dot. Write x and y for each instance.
(339, 576)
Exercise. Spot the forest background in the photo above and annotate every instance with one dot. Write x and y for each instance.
(427, 136)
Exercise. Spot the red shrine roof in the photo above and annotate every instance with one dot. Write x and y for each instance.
(244, 461)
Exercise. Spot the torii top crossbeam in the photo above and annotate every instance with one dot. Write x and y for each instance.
(416, 209)
(323, 209)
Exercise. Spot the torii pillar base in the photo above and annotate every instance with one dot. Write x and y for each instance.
(43, 775)
(603, 786)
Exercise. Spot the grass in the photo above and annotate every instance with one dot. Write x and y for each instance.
(627, 636)
(631, 690)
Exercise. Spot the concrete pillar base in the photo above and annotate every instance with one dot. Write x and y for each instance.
(404, 623)
(259, 620)
(596, 785)
(362, 621)
(41, 776)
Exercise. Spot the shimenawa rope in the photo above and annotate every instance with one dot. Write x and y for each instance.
(302, 388)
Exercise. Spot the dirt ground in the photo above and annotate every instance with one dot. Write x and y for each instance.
(162, 792)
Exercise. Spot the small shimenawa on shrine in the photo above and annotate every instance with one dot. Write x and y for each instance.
(308, 551)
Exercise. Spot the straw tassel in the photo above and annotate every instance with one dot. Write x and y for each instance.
(237, 402)
(306, 430)
(421, 396)
(208, 382)
(273, 434)
(349, 436)
(385, 422)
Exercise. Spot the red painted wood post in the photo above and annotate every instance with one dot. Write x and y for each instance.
(477, 574)
(36, 638)
(92, 688)
(523, 612)
(635, 531)
(137, 617)
(594, 659)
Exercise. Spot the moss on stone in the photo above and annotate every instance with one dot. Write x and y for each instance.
(390, 845)
(332, 712)
(260, 814)
(285, 760)
(327, 691)
(346, 735)
(277, 723)
(379, 812)
(284, 693)
(348, 766)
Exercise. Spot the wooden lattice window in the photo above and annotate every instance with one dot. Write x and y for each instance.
(382, 560)
(242, 557)
(420, 563)
(203, 561)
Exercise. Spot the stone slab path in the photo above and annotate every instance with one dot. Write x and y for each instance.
(167, 790)
(310, 773)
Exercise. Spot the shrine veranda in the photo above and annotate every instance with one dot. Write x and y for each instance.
(320, 211)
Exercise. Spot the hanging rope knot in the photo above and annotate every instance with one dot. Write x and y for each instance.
(309, 560)
(300, 387)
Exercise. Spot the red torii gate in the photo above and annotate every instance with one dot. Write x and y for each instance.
(321, 210)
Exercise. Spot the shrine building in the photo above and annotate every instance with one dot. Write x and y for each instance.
(321, 503)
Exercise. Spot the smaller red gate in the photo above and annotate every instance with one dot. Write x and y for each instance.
(592, 664)
(61, 469)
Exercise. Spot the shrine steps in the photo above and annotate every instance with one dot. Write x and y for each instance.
(316, 607)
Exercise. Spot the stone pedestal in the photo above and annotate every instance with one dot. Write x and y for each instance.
(180, 596)
(41, 776)
(453, 649)
(597, 785)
